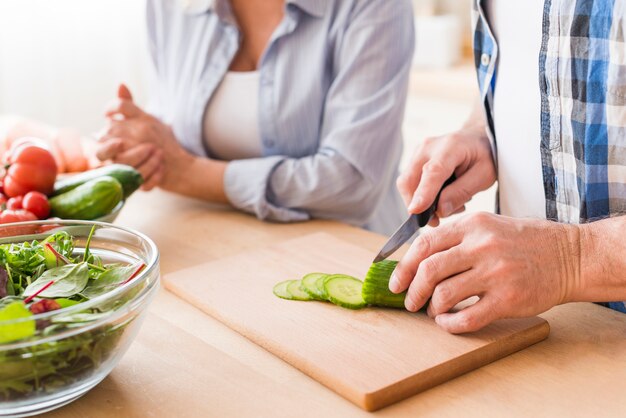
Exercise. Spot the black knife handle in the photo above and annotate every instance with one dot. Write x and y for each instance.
(424, 217)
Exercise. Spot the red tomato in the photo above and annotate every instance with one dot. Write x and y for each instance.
(31, 168)
(19, 215)
(44, 305)
(49, 226)
(15, 203)
(11, 230)
(36, 203)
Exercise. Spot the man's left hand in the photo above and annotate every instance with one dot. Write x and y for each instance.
(517, 267)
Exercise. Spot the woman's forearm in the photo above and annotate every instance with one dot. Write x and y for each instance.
(602, 258)
(198, 177)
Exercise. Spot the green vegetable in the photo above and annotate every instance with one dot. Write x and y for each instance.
(78, 317)
(129, 178)
(319, 283)
(65, 302)
(44, 368)
(309, 285)
(47, 368)
(376, 286)
(68, 280)
(295, 290)
(90, 200)
(280, 290)
(18, 330)
(108, 281)
(344, 291)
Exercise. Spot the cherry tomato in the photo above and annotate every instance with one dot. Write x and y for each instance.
(44, 305)
(10, 230)
(19, 215)
(15, 203)
(36, 203)
(49, 226)
(31, 168)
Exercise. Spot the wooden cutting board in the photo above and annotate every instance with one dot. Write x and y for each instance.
(373, 357)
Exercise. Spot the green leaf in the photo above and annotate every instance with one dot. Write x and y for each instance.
(17, 330)
(64, 243)
(78, 317)
(86, 254)
(108, 281)
(69, 280)
(66, 303)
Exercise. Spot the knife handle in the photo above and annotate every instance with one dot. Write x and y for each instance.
(424, 217)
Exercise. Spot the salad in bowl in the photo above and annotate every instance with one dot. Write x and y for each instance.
(72, 298)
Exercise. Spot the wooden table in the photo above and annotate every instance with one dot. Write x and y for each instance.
(186, 364)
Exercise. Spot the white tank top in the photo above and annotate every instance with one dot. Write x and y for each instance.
(231, 120)
(517, 26)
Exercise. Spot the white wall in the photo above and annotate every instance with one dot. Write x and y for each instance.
(61, 60)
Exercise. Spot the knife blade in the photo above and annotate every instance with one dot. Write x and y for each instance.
(410, 227)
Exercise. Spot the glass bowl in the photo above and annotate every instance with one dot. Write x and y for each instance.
(112, 216)
(44, 372)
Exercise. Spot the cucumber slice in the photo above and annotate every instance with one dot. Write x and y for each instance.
(344, 291)
(280, 290)
(309, 285)
(295, 290)
(376, 286)
(319, 283)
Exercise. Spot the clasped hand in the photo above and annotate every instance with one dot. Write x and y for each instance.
(136, 138)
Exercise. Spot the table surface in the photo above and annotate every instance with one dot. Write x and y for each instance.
(186, 364)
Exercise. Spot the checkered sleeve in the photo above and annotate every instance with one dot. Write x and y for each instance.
(582, 72)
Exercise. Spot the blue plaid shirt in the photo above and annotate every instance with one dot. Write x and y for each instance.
(582, 74)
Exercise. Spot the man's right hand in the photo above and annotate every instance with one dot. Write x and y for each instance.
(466, 153)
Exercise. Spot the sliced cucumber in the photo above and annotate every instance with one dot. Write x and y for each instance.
(344, 291)
(319, 283)
(309, 285)
(295, 290)
(280, 290)
(376, 286)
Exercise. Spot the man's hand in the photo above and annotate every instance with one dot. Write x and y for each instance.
(517, 267)
(466, 153)
(136, 138)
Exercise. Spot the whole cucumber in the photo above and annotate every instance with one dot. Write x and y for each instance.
(129, 178)
(90, 200)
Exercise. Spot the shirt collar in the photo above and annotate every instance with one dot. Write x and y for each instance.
(197, 7)
(315, 8)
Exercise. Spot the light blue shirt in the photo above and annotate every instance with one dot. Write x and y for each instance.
(334, 80)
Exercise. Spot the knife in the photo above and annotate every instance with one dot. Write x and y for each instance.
(410, 227)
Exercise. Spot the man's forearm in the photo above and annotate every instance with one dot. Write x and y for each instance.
(602, 261)
(476, 119)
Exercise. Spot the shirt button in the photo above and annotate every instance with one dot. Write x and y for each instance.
(484, 59)
(266, 81)
(269, 142)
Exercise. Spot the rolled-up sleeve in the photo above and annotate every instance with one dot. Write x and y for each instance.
(361, 138)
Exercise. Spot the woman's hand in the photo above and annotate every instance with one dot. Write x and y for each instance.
(518, 268)
(136, 138)
(466, 153)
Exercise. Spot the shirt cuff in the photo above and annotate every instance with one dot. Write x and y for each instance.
(246, 184)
